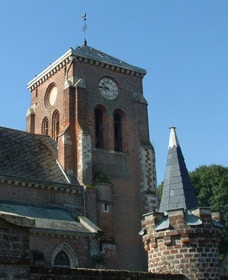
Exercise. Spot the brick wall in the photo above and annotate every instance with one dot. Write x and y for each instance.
(14, 244)
(121, 168)
(89, 274)
(15, 256)
(191, 250)
(19, 243)
(48, 243)
(14, 272)
(25, 192)
(41, 273)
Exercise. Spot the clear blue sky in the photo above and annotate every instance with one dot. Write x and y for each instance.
(182, 44)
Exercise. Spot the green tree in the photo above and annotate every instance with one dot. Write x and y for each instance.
(211, 186)
(159, 191)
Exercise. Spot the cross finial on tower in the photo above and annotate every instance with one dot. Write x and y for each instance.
(84, 28)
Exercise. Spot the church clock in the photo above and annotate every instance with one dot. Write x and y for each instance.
(108, 88)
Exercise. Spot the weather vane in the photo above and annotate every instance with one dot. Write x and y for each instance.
(84, 28)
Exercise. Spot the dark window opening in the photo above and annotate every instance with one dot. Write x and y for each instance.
(99, 130)
(45, 127)
(100, 246)
(105, 207)
(118, 132)
(55, 125)
(62, 259)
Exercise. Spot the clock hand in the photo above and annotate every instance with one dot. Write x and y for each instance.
(104, 86)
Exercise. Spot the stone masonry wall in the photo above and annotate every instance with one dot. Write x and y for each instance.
(14, 244)
(14, 251)
(148, 183)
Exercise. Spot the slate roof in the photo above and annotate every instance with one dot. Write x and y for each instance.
(44, 218)
(189, 219)
(89, 55)
(178, 191)
(29, 156)
(90, 52)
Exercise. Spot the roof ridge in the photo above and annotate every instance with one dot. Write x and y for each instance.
(98, 57)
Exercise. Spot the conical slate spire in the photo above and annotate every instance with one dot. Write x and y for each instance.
(178, 191)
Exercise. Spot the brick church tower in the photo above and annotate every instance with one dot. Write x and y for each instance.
(92, 104)
(181, 238)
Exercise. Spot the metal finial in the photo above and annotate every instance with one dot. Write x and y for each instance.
(173, 140)
(84, 28)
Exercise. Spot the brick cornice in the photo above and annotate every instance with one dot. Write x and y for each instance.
(41, 185)
(76, 56)
(50, 71)
(61, 233)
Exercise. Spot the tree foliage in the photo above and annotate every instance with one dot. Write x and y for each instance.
(211, 186)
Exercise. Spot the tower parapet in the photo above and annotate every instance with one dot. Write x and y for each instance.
(184, 242)
(178, 239)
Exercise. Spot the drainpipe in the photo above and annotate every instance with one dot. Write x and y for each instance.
(84, 200)
(89, 251)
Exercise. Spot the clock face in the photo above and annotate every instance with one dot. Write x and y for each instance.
(108, 88)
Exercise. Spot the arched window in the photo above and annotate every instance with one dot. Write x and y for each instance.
(62, 259)
(51, 95)
(44, 128)
(99, 128)
(55, 124)
(118, 123)
(64, 256)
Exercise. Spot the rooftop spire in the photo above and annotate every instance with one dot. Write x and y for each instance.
(84, 28)
(173, 141)
(178, 191)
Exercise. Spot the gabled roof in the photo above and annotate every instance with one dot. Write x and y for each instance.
(89, 55)
(178, 191)
(29, 156)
